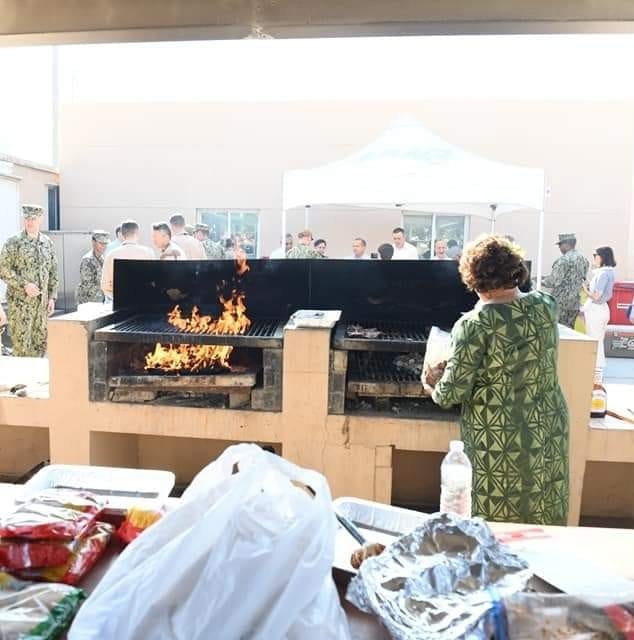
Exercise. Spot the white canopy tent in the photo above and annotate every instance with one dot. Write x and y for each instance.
(410, 168)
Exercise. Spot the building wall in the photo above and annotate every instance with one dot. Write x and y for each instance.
(33, 181)
(148, 160)
(34, 186)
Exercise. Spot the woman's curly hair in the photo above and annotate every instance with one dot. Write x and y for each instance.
(493, 262)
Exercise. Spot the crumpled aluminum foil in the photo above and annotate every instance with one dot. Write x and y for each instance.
(438, 581)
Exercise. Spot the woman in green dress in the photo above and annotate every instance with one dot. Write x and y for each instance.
(503, 370)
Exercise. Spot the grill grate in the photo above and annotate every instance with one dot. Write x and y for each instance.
(150, 329)
(258, 328)
(400, 336)
(378, 367)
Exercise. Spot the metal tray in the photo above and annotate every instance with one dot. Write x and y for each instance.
(377, 522)
(123, 488)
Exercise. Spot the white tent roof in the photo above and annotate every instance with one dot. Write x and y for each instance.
(410, 167)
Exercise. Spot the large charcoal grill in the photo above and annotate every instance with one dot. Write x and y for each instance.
(145, 292)
(262, 334)
(399, 298)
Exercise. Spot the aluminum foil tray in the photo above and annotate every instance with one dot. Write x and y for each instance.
(439, 581)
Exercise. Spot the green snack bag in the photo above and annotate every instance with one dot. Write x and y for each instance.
(30, 611)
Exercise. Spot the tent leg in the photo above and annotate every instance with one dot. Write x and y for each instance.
(306, 217)
(492, 225)
(283, 228)
(540, 251)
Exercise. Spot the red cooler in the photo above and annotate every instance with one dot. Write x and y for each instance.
(621, 300)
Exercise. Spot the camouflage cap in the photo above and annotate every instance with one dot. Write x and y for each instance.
(103, 237)
(566, 237)
(189, 229)
(32, 210)
(201, 226)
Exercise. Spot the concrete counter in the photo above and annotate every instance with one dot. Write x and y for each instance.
(369, 457)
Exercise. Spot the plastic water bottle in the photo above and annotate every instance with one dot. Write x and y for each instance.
(455, 481)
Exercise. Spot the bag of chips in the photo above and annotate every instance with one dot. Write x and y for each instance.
(35, 611)
(88, 550)
(136, 522)
(34, 554)
(56, 514)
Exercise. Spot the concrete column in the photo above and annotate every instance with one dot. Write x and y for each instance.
(312, 439)
(576, 376)
(68, 357)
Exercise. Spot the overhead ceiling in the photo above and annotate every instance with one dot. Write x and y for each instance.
(69, 21)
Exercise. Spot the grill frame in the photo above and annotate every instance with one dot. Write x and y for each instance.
(381, 379)
(401, 336)
(153, 328)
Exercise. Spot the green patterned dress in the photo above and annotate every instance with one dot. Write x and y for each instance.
(503, 369)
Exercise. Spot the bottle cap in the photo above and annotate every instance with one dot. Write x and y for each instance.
(456, 445)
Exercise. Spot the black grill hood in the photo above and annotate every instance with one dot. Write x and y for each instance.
(429, 292)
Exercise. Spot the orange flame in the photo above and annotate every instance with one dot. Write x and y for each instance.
(191, 357)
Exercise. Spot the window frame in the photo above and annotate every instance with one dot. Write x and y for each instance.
(235, 210)
(466, 227)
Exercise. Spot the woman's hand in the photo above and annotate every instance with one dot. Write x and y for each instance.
(432, 376)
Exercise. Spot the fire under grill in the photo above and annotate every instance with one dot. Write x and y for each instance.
(393, 336)
(262, 334)
(120, 370)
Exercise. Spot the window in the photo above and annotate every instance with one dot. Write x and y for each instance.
(53, 207)
(422, 230)
(239, 225)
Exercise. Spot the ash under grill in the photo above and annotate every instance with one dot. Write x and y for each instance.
(376, 375)
(151, 329)
(394, 336)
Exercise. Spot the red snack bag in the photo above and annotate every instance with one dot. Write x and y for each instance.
(136, 522)
(34, 554)
(89, 549)
(52, 515)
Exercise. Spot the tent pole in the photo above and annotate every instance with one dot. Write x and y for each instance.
(306, 216)
(493, 210)
(540, 250)
(283, 228)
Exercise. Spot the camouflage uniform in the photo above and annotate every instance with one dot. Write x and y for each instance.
(303, 252)
(565, 281)
(25, 260)
(89, 289)
(213, 250)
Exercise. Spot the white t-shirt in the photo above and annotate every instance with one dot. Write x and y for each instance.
(408, 252)
(278, 254)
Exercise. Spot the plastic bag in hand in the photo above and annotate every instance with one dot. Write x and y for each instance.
(437, 353)
(247, 554)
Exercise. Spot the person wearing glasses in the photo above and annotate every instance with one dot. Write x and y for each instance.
(595, 310)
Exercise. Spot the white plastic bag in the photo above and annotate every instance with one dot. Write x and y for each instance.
(437, 352)
(245, 555)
